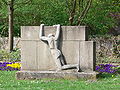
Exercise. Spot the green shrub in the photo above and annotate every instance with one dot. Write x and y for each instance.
(50, 12)
(12, 56)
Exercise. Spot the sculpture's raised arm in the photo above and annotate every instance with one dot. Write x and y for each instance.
(41, 36)
(58, 31)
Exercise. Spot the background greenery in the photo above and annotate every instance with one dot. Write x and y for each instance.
(13, 56)
(100, 18)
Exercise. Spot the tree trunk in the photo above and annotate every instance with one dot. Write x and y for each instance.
(10, 13)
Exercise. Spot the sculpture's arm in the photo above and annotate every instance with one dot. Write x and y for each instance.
(57, 32)
(41, 33)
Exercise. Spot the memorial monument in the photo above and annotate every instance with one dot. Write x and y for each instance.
(56, 52)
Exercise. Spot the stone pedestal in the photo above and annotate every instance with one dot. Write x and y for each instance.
(26, 75)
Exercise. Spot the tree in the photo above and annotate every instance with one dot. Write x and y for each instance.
(99, 19)
(10, 4)
(96, 14)
(77, 10)
(11, 27)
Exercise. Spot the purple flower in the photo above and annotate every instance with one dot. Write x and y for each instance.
(107, 68)
(5, 62)
(97, 67)
(4, 67)
(101, 70)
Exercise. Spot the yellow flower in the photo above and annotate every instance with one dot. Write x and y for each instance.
(14, 65)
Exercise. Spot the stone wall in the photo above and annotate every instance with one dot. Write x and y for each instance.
(73, 44)
(4, 42)
(107, 47)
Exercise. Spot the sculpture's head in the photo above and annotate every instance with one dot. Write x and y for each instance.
(50, 35)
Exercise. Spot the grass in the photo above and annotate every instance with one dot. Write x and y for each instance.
(9, 82)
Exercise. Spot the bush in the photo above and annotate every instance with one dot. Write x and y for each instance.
(12, 56)
(98, 19)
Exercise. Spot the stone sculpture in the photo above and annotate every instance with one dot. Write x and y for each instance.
(58, 55)
(53, 43)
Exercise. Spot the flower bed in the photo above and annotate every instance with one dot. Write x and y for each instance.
(108, 68)
(10, 66)
(101, 68)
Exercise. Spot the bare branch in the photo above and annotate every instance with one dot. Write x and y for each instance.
(72, 12)
(80, 4)
(67, 5)
(83, 14)
(74, 6)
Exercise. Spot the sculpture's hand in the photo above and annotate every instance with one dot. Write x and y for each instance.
(41, 35)
(41, 30)
(58, 25)
(42, 25)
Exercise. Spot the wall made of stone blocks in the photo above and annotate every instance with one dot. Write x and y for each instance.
(107, 47)
(36, 54)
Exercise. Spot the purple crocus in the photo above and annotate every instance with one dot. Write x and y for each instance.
(106, 68)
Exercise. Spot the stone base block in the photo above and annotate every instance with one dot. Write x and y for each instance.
(28, 75)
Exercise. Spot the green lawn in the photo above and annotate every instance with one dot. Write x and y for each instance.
(9, 82)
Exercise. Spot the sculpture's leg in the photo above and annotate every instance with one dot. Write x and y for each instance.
(58, 64)
(56, 58)
(62, 61)
(78, 68)
(64, 67)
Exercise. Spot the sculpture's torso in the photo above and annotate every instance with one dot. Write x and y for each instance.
(52, 43)
(53, 47)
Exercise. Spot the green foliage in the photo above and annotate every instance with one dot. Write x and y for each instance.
(34, 13)
(3, 19)
(12, 56)
(98, 19)
(49, 12)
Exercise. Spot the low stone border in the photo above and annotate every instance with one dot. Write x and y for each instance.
(29, 75)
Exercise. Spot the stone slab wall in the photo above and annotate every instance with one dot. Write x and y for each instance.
(107, 47)
(36, 55)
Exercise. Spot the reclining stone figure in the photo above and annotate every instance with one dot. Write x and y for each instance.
(53, 43)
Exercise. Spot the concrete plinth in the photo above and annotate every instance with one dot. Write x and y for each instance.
(29, 75)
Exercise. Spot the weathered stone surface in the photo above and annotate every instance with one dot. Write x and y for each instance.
(44, 57)
(107, 48)
(68, 32)
(70, 50)
(29, 55)
(76, 33)
(87, 55)
(25, 75)
(30, 33)
(52, 30)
